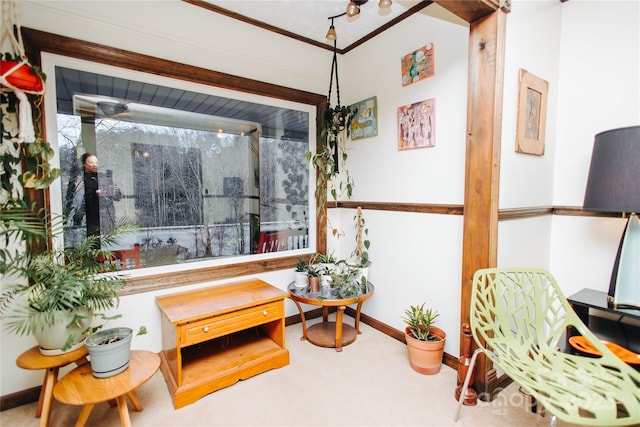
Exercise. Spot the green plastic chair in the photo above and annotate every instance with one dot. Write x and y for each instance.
(518, 320)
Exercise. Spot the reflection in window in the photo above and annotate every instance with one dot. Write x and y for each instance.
(203, 176)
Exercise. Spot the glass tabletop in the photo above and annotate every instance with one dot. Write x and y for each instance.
(327, 292)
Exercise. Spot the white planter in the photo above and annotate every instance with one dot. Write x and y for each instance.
(301, 279)
(52, 339)
(109, 351)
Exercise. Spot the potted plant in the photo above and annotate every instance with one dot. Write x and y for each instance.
(314, 278)
(346, 283)
(110, 350)
(54, 294)
(425, 342)
(300, 275)
(360, 256)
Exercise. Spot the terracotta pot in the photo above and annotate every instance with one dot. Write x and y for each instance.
(425, 357)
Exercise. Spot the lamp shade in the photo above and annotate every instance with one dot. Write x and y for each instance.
(614, 175)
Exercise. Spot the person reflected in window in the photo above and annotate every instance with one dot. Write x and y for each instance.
(91, 193)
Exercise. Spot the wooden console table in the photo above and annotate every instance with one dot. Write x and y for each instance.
(216, 336)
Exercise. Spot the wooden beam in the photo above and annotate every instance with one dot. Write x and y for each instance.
(472, 10)
(484, 128)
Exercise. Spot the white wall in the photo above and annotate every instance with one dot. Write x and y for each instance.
(600, 90)
(416, 257)
(527, 180)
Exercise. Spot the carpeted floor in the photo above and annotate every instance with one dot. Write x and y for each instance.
(369, 383)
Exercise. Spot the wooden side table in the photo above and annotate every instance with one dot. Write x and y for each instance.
(329, 334)
(32, 359)
(80, 387)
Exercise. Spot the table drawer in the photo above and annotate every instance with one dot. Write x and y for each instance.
(225, 324)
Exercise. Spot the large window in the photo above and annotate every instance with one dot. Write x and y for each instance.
(205, 173)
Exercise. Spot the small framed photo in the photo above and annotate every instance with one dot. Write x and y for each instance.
(417, 125)
(532, 114)
(365, 122)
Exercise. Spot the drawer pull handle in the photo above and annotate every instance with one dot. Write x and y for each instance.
(206, 329)
(265, 312)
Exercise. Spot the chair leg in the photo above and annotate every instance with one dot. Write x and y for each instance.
(467, 379)
(553, 421)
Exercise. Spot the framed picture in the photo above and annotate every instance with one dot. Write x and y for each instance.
(417, 125)
(532, 114)
(365, 122)
(418, 65)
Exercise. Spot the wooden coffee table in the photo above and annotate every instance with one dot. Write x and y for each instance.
(80, 387)
(34, 360)
(329, 334)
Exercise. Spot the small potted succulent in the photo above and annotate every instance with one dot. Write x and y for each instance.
(425, 342)
(300, 275)
(314, 278)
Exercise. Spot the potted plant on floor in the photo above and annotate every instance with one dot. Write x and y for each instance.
(425, 342)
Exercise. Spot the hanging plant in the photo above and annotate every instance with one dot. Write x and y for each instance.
(336, 127)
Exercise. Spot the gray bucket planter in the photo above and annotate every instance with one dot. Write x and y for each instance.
(109, 351)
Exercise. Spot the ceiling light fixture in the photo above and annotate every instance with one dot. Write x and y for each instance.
(353, 9)
(331, 34)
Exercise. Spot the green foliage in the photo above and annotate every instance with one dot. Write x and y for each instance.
(312, 271)
(336, 121)
(420, 320)
(347, 283)
(322, 258)
(39, 283)
(361, 252)
(301, 265)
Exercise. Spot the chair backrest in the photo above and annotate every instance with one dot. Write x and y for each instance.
(273, 241)
(519, 317)
(127, 258)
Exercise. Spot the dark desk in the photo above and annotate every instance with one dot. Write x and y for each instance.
(622, 326)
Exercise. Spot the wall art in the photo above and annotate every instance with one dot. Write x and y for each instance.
(418, 65)
(532, 114)
(417, 125)
(365, 122)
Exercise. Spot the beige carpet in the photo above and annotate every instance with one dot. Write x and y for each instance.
(369, 384)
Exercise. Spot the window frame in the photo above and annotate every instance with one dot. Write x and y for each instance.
(38, 42)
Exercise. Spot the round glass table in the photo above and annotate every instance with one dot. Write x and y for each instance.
(326, 333)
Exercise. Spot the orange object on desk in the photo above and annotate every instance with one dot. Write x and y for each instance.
(627, 356)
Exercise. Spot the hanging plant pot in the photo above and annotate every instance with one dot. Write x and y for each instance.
(109, 351)
(22, 76)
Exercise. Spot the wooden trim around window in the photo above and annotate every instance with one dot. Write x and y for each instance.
(37, 41)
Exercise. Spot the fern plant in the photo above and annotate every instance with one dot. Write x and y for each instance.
(39, 285)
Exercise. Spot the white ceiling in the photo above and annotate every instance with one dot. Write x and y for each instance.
(308, 18)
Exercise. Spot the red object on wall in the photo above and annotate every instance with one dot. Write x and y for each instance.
(23, 77)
